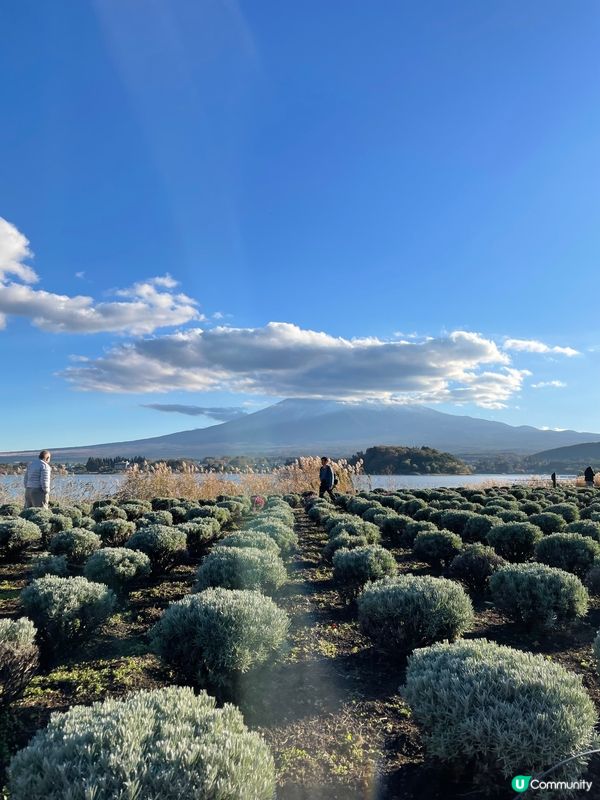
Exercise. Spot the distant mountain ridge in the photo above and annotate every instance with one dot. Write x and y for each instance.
(572, 458)
(297, 427)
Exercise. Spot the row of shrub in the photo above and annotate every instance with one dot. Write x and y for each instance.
(170, 742)
(480, 705)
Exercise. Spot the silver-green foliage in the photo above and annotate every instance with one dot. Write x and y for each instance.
(114, 532)
(109, 511)
(514, 541)
(437, 548)
(117, 567)
(346, 540)
(164, 546)
(241, 568)
(213, 637)
(410, 611)
(281, 533)
(474, 565)
(165, 744)
(585, 527)
(250, 539)
(538, 595)
(352, 569)
(66, 608)
(18, 657)
(570, 551)
(76, 545)
(200, 534)
(47, 564)
(497, 712)
(16, 535)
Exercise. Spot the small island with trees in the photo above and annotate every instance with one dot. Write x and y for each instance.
(395, 460)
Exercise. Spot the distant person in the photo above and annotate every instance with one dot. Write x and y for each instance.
(588, 476)
(326, 479)
(553, 479)
(37, 482)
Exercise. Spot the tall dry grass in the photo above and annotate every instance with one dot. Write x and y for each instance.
(193, 484)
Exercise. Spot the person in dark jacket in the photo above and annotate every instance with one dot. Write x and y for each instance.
(326, 479)
(588, 476)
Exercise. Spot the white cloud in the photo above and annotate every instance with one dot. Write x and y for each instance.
(534, 346)
(281, 359)
(80, 275)
(549, 385)
(14, 251)
(145, 306)
(220, 413)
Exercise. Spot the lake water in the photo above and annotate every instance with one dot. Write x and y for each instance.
(92, 485)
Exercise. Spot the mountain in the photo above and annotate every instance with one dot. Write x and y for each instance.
(574, 458)
(296, 427)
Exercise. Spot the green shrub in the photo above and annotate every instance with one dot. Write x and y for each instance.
(345, 540)
(102, 513)
(530, 507)
(585, 527)
(437, 548)
(88, 523)
(114, 532)
(10, 509)
(200, 534)
(537, 595)
(241, 568)
(63, 609)
(569, 551)
(414, 528)
(410, 611)
(548, 522)
(282, 535)
(514, 541)
(165, 547)
(568, 511)
(164, 744)
(214, 637)
(357, 528)
(75, 514)
(352, 569)
(46, 564)
(162, 503)
(478, 527)
(48, 522)
(592, 580)
(18, 658)
(456, 521)
(493, 712)
(17, 535)
(394, 527)
(155, 518)
(76, 545)
(333, 519)
(293, 500)
(135, 510)
(474, 566)
(250, 539)
(118, 567)
(222, 515)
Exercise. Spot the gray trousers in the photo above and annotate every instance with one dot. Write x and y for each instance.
(36, 498)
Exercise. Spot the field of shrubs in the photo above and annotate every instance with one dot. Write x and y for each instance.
(390, 644)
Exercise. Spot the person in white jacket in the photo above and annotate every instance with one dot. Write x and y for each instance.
(37, 482)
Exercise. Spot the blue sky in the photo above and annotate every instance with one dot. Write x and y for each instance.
(411, 190)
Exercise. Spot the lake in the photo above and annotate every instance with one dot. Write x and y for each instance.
(92, 485)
